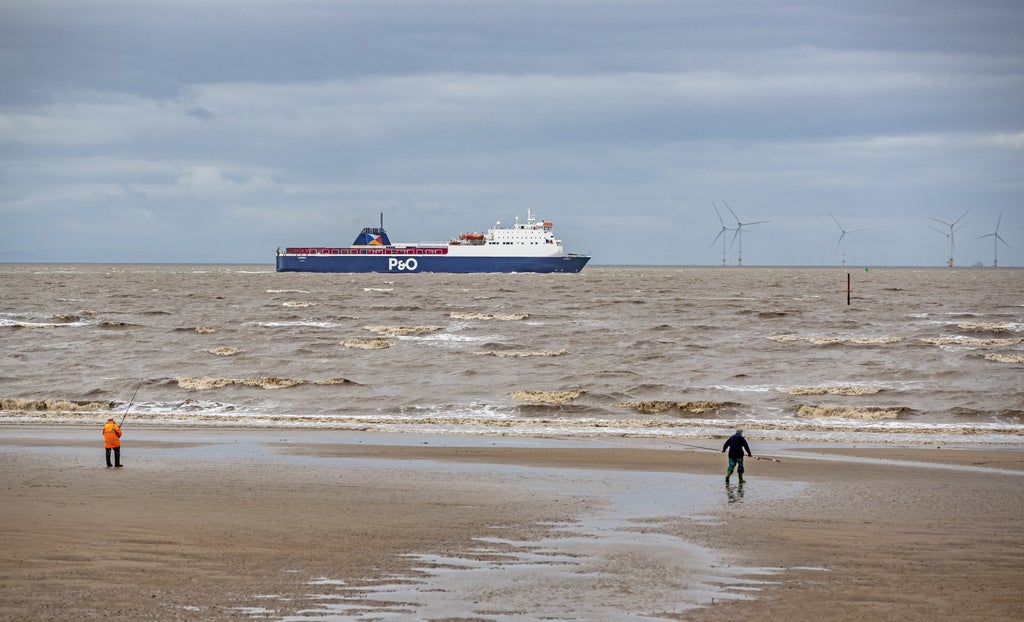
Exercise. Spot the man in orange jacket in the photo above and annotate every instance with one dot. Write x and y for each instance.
(112, 440)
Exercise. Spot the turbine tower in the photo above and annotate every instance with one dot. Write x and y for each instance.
(949, 236)
(842, 236)
(739, 231)
(996, 239)
(721, 232)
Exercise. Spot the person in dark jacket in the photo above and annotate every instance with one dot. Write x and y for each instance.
(736, 445)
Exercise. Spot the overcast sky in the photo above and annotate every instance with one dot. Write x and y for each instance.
(213, 131)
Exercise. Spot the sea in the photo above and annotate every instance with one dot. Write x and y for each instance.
(920, 356)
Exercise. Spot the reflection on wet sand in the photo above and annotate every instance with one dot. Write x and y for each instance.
(734, 492)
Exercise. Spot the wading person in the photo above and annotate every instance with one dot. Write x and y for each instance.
(112, 441)
(736, 445)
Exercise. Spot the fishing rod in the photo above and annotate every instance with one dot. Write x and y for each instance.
(693, 446)
(130, 402)
(715, 450)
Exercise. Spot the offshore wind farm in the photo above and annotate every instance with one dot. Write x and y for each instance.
(951, 228)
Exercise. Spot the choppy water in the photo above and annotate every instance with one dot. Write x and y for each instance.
(920, 355)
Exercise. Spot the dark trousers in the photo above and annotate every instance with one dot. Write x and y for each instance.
(733, 464)
(117, 456)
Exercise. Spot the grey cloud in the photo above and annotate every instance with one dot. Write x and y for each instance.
(191, 118)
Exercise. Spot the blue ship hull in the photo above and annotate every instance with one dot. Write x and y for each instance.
(427, 263)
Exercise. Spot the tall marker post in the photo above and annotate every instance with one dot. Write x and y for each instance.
(847, 288)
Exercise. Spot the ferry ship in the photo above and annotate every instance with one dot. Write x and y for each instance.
(529, 246)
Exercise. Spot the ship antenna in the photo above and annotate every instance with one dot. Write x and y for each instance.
(382, 220)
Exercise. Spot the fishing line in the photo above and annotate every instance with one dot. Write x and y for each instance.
(130, 402)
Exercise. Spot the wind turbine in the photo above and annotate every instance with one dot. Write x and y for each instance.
(721, 232)
(996, 239)
(949, 236)
(739, 231)
(842, 235)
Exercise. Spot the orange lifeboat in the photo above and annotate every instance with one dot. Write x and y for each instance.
(548, 223)
(471, 236)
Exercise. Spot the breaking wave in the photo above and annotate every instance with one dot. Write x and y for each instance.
(57, 322)
(989, 327)
(298, 304)
(653, 407)
(367, 344)
(263, 382)
(297, 323)
(30, 405)
(1005, 358)
(820, 429)
(546, 398)
(402, 331)
(972, 341)
(224, 351)
(875, 340)
(460, 315)
(832, 411)
(831, 390)
(823, 340)
(203, 330)
(520, 353)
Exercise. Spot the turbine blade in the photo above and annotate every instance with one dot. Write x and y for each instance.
(731, 212)
(962, 215)
(719, 214)
(839, 242)
(720, 233)
(948, 224)
(836, 221)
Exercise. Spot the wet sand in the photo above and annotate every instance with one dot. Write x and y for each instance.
(228, 524)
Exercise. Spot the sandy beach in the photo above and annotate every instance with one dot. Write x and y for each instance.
(258, 524)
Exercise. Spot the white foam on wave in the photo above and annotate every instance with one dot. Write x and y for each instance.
(973, 342)
(297, 323)
(444, 338)
(490, 420)
(749, 388)
(830, 340)
(995, 327)
(24, 320)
